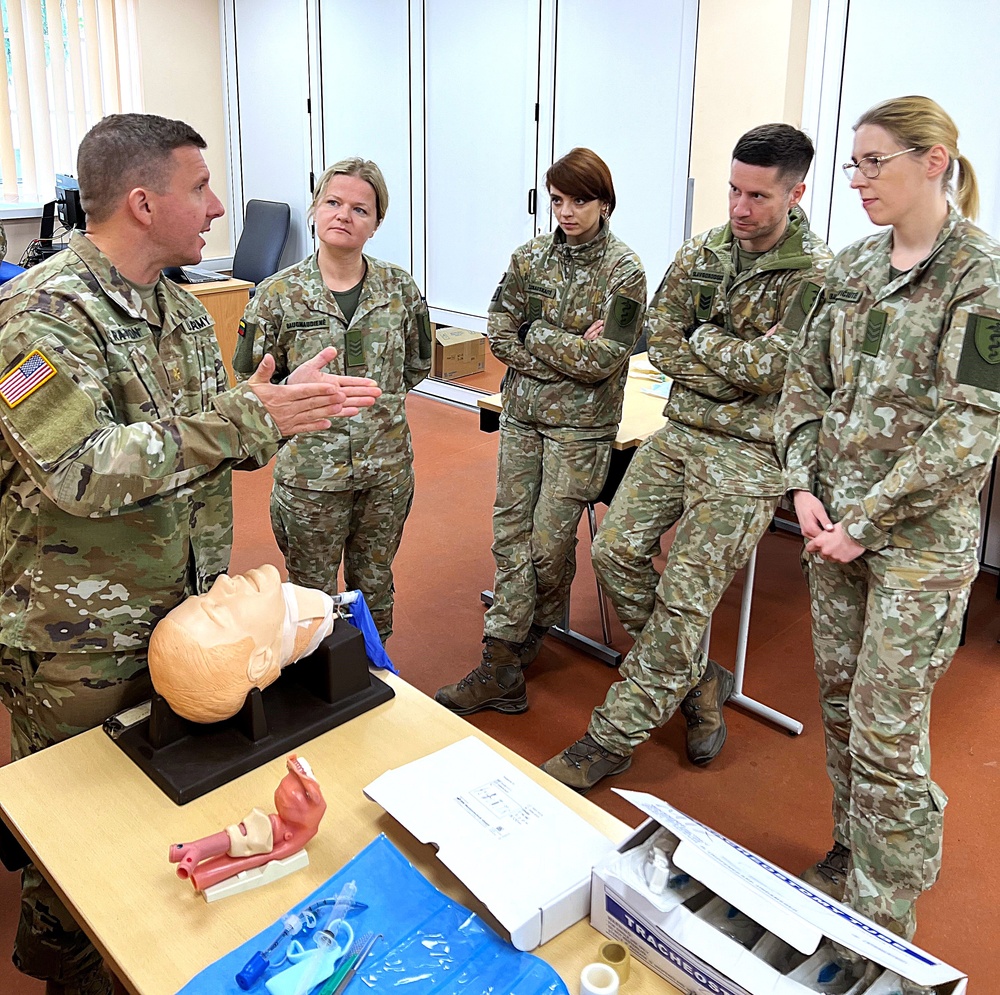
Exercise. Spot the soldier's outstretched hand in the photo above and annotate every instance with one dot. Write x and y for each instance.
(359, 392)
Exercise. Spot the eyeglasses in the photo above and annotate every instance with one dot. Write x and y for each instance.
(871, 165)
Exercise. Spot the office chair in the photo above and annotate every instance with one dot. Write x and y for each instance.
(265, 232)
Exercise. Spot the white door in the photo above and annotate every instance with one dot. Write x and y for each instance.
(481, 91)
(272, 90)
(624, 87)
(897, 47)
(364, 73)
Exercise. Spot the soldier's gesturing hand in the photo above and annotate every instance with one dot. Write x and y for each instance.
(594, 331)
(359, 392)
(310, 397)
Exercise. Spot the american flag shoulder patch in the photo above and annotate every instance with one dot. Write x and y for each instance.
(26, 378)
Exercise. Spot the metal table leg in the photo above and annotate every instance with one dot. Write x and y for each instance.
(577, 640)
(791, 725)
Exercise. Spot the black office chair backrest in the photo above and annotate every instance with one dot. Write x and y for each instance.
(265, 232)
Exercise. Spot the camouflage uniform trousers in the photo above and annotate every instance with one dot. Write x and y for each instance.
(666, 614)
(543, 486)
(316, 529)
(51, 697)
(880, 647)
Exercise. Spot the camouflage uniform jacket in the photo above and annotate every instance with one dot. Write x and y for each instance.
(115, 500)
(3, 243)
(891, 410)
(556, 378)
(293, 316)
(706, 329)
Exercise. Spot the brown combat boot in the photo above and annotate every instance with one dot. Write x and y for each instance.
(830, 874)
(531, 647)
(706, 725)
(496, 683)
(584, 763)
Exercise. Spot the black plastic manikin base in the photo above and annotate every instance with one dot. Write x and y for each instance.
(186, 759)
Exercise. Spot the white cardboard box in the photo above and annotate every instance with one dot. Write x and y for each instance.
(679, 944)
(519, 850)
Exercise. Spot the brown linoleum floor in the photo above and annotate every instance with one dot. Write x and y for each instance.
(767, 789)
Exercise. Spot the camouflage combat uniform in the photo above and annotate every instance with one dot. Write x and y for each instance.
(562, 401)
(891, 416)
(3, 243)
(346, 491)
(118, 435)
(712, 468)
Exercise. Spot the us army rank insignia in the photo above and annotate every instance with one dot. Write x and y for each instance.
(534, 309)
(873, 331)
(979, 365)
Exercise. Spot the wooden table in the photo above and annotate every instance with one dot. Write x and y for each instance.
(100, 830)
(225, 301)
(642, 413)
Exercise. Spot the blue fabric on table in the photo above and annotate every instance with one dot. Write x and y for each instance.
(430, 943)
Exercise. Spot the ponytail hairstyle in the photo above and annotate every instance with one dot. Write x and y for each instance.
(920, 122)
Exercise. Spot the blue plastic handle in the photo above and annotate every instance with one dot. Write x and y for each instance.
(251, 974)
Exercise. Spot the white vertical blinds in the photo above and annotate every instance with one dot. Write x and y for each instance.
(66, 64)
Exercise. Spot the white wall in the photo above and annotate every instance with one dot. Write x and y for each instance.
(181, 77)
(750, 70)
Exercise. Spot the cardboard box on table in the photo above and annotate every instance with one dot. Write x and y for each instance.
(520, 850)
(685, 948)
(458, 352)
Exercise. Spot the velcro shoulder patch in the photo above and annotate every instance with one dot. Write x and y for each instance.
(42, 401)
(497, 298)
(805, 300)
(425, 331)
(623, 319)
(20, 382)
(243, 356)
(979, 364)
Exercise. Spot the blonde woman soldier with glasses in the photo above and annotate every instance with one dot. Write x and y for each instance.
(887, 426)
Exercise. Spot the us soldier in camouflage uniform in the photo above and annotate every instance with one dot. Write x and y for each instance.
(888, 425)
(345, 492)
(118, 438)
(721, 325)
(564, 319)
